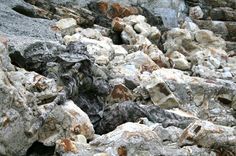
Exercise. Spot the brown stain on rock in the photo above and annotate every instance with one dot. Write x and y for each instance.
(103, 7)
(81, 129)
(121, 92)
(122, 151)
(68, 145)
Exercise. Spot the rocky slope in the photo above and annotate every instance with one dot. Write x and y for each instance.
(107, 78)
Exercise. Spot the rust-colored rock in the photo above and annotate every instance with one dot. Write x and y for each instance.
(120, 93)
(103, 7)
(122, 151)
(117, 24)
(68, 145)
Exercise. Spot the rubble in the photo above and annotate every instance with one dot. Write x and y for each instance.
(103, 78)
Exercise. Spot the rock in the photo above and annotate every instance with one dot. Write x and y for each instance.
(204, 36)
(231, 26)
(196, 12)
(68, 147)
(128, 111)
(223, 28)
(160, 93)
(179, 60)
(135, 30)
(41, 113)
(189, 25)
(191, 95)
(208, 135)
(168, 16)
(129, 138)
(176, 38)
(16, 24)
(67, 116)
(120, 93)
(223, 14)
(21, 120)
(231, 46)
(141, 61)
(66, 26)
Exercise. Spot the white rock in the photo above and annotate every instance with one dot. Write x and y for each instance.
(67, 116)
(140, 59)
(179, 60)
(131, 138)
(196, 12)
(66, 25)
(102, 60)
(119, 50)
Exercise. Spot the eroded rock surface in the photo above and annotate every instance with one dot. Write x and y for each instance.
(119, 78)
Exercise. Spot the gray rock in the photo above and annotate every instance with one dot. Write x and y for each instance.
(16, 24)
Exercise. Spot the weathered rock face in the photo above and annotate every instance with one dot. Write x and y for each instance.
(117, 77)
(129, 139)
(219, 16)
(31, 111)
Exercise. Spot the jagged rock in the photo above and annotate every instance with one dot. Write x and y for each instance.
(98, 46)
(119, 113)
(189, 25)
(179, 60)
(120, 93)
(68, 147)
(120, 62)
(196, 12)
(19, 97)
(224, 28)
(159, 92)
(203, 48)
(223, 14)
(206, 36)
(206, 134)
(129, 139)
(135, 30)
(202, 97)
(66, 26)
(35, 110)
(65, 121)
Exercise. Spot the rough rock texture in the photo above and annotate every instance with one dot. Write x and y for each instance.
(31, 104)
(119, 78)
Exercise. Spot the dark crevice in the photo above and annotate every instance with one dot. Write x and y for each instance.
(25, 11)
(17, 59)
(224, 101)
(197, 129)
(116, 38)
(39, 149)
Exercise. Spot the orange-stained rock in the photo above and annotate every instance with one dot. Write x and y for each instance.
(120, 93)
(117, 24)
(103, 7)
(68, 145)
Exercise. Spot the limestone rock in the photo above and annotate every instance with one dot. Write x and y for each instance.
(159, 92)
(196, 12)
(67, 117)
(206, 134)
(129, 139)
(135, 30)
(189, 90)
(66, 26)
(179, 60)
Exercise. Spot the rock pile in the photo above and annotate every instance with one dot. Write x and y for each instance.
(103, 78)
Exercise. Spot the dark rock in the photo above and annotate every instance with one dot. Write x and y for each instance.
(223, 14)
(120, 113)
